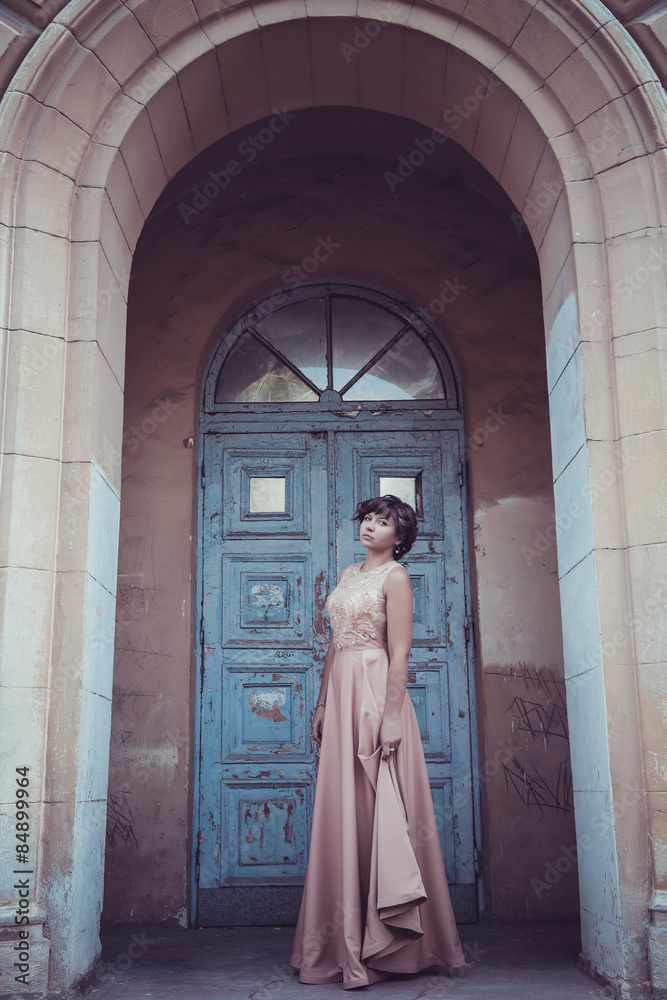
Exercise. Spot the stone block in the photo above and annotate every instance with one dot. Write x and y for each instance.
(39, 284)
(574, 514)
(103, 520)
(324, 8)
(15, 41)
(639, 300)
(615, 610)
(584, 83)
(243, 82)
(627, 192)
(640, 362)
(543, 195)
(118, 40)
(607, 471)
(36, 372)
(170, 126)
(657, 951)
(42, 134)
(598, 878)
(647, 581)
(555, 246)
(572, 157)
(466, 86)
(660, 160)
(423, 78)
(644, 458)
(579, 607)
(81, 88)
(287, 65)
(26, 637)
(599, 390)
(589, 750)
(124, 201)
(566, 406)
(93, 410)
(595, 306)
(11, 168)
(95, 167)
(208, 119)
(547, 109)
(88, 874)
(89, 529)
(496, 123)
(524, 152)
(657, 809)
(28, 513)
(546, 39)
(652, 680)
(121, 115)
(380, 68)
(611, 135)
(504, 22)
(117, 249)
(586, 212)
(164, 20)
(86, 214)
(334, 67)
(93, 775)
(438, 24)
(143, 161)
(98, 308)
(389, 11)
(278, 11)
(561, 320)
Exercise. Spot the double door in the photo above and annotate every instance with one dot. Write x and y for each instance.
(276, 531)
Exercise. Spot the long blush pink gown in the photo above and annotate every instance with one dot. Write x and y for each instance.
(375, 898)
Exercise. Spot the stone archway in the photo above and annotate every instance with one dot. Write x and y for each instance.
(105, 109)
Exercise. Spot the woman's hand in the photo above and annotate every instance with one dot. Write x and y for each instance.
(316, 724)
(390, 736)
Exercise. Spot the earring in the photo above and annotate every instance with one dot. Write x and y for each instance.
(397, 549)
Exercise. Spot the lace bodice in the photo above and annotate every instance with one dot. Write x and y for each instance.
(357, 608)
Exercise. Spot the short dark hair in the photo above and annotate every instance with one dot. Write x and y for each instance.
(403, 514)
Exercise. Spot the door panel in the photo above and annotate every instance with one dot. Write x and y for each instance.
(437, 680)
(276, 507)
(265, 548)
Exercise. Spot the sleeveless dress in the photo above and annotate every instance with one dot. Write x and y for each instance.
(375, 898)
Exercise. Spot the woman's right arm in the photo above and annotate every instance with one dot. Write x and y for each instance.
(318, 716)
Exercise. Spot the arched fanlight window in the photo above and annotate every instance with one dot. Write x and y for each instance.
(359, 344)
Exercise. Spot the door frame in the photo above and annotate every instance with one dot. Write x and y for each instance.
(365, 417)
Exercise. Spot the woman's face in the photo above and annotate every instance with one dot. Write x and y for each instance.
(377, 532)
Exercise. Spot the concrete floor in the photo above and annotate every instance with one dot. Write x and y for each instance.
(508, 961)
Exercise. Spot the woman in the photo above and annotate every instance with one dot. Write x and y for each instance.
(375, 898)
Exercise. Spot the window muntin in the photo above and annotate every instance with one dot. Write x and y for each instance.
(340, 342)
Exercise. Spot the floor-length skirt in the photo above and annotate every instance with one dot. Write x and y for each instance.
(375, 898)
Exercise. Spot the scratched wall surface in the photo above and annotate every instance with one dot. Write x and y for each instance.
(444, 238)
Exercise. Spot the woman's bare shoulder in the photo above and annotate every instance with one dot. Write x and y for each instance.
(398, 577)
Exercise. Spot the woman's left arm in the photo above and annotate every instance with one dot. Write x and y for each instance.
(398, 591)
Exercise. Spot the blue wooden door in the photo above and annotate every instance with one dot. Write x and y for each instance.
(276, 531)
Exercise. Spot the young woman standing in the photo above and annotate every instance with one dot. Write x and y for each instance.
(375, 898)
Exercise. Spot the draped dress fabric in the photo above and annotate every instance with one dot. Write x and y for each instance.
(375, 898)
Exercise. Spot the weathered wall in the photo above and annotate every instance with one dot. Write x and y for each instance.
(445, 232)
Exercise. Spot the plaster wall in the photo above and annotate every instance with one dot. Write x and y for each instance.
(449, 241)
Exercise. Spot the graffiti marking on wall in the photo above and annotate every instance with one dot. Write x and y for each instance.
(120, 822)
